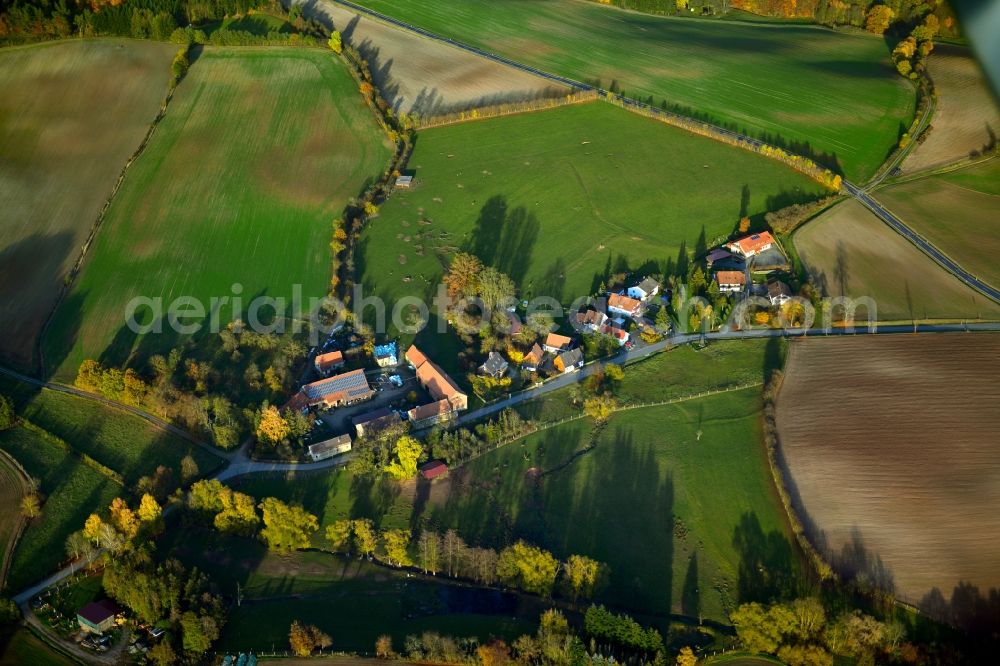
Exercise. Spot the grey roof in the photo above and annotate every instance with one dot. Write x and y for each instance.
(571, 357)
(649, 285)
(354, 384)
(368, 417)
(329, 444)
(495, 364)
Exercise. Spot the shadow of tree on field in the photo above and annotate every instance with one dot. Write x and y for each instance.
(766, 569)
(504, 238)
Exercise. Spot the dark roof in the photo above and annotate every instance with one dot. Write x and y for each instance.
(649, 285)
(97, 612)
(368, 417)
(433, 469)
(571, 357)
(495, 364)
(352, 384)
(778, 288)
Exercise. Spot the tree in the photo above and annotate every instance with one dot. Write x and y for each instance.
(306, 638)
(88, 377)
(495, 288)
(198, 632)
(365, 536)
(581, 576)
(528, 568)
(754, 627)
(463, 275)
(429, 547)
(878, 19)
(31, 506)
(92, 528)
(8, 418)
(452, 547)
(904, 67)
(397, 543)
(697, 282)
(408, 452)
(272, 427)
(238, 514)
(339, 535)
(383, 647)
(162, 654)
(600, 408)
(123, 518)
(189, 469)
(371, 210)
(149, 509)
(336, 43)
(805, 655)
(686, 657)
(110, 538)
(286, 527)
(744, 224)
(494, 653)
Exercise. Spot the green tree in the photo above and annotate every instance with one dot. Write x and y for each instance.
(8, 418)
(495, 288)
(286, 527)
(581, 575)
(528, 568)
(600, 408)
(238, 514)
(397, 544)
(365, 536)
(335, 43)
(407, 451)
(339, 535)
(878, 19)
(198, 632)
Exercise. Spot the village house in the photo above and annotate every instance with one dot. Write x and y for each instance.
(97, 616)
(644, 290)
(514, 324)
(533, 358)
(495, 366)
(433, 469)
(592, 319)
(568, 361)
(387, 355)
(778, 292)
(555, 343)
(435, 381)
(344, 389)
(330, 448)
(619, 334)
(404, 182)
(371, 423)
(624, 305)
(427, 415)
(731, 282)
(324, 363)
(719, 256)
(752, 245)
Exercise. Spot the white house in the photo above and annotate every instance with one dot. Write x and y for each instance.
(624, 305)
(644, 290)
(751, 245)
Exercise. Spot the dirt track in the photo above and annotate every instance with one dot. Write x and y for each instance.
(420, 75)
(967, 118)
(896, 438)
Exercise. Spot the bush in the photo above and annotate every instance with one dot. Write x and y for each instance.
(8, 418)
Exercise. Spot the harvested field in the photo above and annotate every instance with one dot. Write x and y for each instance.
(260, 150)
(13, 487)
(894, 440)
(71, 115)
(967, 118)
(850, 252)
(959, 212)
(427, 77)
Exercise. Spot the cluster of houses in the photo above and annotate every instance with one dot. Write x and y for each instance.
(729, 265)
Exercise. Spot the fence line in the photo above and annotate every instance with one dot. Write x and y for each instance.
(505, 109)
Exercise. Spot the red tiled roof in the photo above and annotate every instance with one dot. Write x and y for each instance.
(433, 469)
(535, 355)
(415, 357)
(329, 359)
(435, 380)
(624, 303)
(753, 244)
(430, 409)
(558, 341)
(731, 277)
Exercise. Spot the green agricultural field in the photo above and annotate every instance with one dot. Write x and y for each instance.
(848, 251)
(71, 114)
(837, 91)
(125, 443)
(558, 199)
(677, 500)
(957, 212)
(258, 153)
(19, 646)
(71, 489)
(353, 601)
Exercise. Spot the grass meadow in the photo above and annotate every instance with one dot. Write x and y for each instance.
(12, 489)
(958, 212)
(558, 199)
(258, 153)
(848, 251)
(19, 646)
(662, 497)
(71, 114)
(72, 490)
(836, 91)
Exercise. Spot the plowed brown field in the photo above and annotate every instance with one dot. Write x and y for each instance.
(893, 443)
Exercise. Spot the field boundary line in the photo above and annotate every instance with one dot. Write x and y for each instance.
(958, 165)
(27, 485)
(499, 110)
(84, 251)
